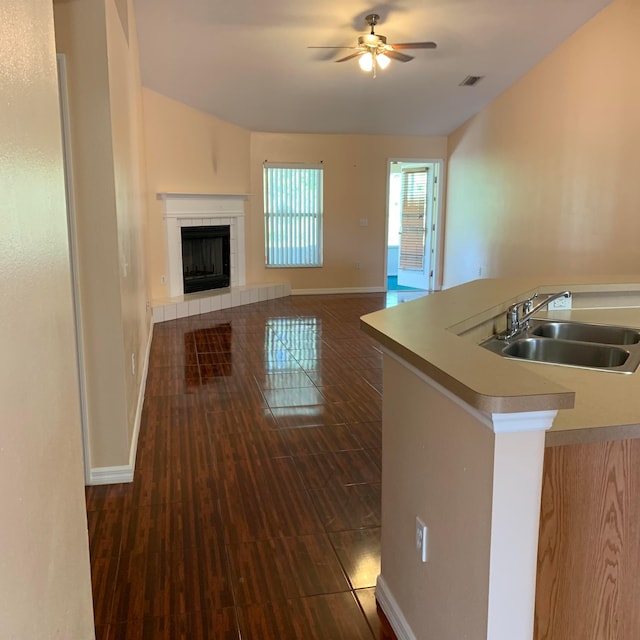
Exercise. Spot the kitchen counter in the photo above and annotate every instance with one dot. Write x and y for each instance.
(439, 335)
(469, 448)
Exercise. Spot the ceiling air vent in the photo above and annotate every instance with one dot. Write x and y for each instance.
(470, 81)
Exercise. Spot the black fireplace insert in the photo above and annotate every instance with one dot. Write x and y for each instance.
(205, 257)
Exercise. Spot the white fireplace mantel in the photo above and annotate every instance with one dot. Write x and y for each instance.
(202, 209)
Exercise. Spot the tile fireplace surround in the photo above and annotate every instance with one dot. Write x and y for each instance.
(190, 210)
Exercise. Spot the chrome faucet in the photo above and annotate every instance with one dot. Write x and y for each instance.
(517, 323)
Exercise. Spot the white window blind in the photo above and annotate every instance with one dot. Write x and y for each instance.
(413, 210)
(293, 215)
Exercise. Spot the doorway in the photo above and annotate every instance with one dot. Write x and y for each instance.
(413, 220)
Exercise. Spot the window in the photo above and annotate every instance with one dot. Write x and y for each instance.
(415, 188)
(293, 215)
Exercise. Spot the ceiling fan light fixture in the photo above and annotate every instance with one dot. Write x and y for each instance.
(374, 53)
(382, 60)
(366, 61)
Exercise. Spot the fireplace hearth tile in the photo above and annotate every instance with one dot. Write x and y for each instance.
(206, 305)
(182, 309)
(158, 314)
(215, 300)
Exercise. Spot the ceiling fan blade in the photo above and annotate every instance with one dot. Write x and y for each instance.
(396, 55)
(415, 45)
(350, 57)
(332, 47)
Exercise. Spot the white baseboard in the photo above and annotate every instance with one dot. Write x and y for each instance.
(124, 473)
(393, 612)
(111, 475)
(143, 385)
(320, 292)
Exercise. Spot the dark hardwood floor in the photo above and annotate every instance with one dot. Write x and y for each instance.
(255, 509)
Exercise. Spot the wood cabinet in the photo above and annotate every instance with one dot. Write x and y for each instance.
(588, 581)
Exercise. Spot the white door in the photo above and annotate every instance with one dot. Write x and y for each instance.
(417, 251)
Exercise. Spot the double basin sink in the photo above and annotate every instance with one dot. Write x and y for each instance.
(573, 344)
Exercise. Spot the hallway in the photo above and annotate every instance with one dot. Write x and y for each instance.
(255, 509)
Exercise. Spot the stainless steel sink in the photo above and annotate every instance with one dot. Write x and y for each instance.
(577, 354)
(573, 344)
(583, 332)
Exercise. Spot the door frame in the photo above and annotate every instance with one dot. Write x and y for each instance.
(73, 257)
(437, 234)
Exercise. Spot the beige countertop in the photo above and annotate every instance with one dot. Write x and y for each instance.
(439, 334)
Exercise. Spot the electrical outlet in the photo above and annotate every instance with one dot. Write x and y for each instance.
(421, 539)
(356, 265)
(364, 222)
(560, 303)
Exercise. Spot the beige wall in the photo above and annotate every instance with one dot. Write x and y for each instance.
(125, 94)
(355, 187)
(187, 151)
(45, 588)
(104, 107)
(545, 179)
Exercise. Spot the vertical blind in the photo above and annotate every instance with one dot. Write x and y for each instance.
(413, 218)
(293, 215)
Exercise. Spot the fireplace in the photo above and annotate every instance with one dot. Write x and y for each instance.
(182, 211)
(205, 257)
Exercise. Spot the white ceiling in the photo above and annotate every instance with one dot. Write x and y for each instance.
(247, 61)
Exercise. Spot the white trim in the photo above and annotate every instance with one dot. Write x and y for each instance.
(143, 385)
(438, 239)
(393, 612)
(515, 523)
(525, 421)
(435, 281)
(322, 292)
(111, 475)
(125, 472)
(177, 205)
(73, 258)
(497, 422)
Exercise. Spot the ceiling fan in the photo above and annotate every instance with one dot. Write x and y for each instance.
(374, 52)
